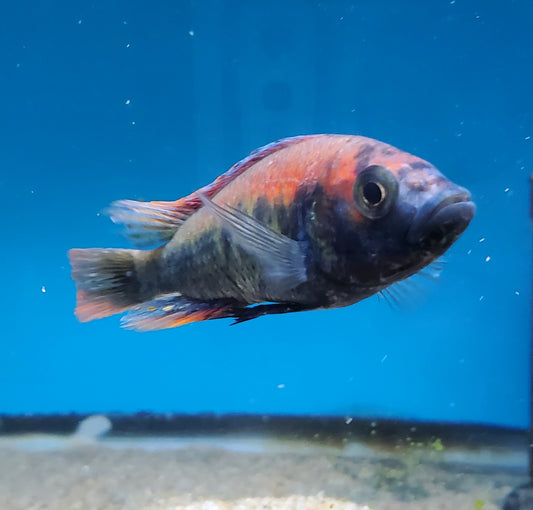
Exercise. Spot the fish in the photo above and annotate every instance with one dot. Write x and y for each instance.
(304, 223)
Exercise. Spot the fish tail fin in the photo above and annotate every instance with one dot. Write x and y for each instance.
(106, 281)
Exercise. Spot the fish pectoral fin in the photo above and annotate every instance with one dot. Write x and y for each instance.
(282, 258)
(149, 223)
(174, 310)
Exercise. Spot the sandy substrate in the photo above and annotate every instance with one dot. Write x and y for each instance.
(202, 475)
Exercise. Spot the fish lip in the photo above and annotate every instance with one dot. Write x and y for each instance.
(451, 208)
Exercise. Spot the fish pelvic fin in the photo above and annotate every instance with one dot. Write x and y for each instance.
(175, 310)
(255, 311)
(106, 281)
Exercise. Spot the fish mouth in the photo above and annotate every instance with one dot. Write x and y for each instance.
(441, 220)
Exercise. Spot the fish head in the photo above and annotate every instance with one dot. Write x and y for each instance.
(405, 214)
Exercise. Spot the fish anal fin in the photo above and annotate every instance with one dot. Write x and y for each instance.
(283, 258)
(173, 311)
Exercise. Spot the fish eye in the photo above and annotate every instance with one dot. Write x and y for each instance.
(375, 191)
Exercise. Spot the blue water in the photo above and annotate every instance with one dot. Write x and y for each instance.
(151, 100)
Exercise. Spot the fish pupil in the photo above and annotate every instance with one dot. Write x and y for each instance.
(373, 193)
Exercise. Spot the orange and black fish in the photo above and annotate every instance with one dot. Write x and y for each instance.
(309, 222)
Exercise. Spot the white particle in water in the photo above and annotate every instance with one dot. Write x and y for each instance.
(487, 258)
(527, 138)
(384, 358)
(469, 252)
(79, 22)
(191, 33)
(281, 386)
(128, 45)
(348, 420)
(506, 190)
(481, 298)
(517, 293)
(133, 123)
(481, 239)
(43, 289)
(128, 101)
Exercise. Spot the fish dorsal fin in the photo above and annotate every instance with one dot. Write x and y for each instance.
(282, 258)
(149, 223)
(153, 223)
